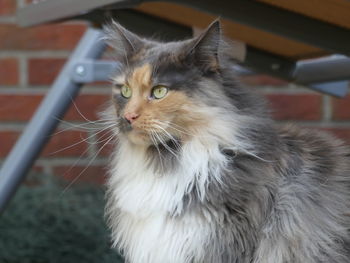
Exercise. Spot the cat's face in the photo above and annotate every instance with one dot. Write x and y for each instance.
(161, 92)
(150, 110)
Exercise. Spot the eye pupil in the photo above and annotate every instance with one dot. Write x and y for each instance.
(159, 92)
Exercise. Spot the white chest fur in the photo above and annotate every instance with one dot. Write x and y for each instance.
(161, 239)
(144, 208)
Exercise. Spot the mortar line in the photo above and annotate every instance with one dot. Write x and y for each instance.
(23, 71)
(8, 19)
(326, 108)
(35, 53)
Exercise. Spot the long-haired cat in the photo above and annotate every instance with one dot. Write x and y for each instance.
(201, 174)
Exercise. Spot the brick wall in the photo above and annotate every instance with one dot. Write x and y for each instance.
(31, 58)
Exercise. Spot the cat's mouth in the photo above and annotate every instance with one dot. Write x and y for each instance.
(143, 133)
(138, 136)
(149, 137)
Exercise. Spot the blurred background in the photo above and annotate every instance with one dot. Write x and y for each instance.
(66, 182)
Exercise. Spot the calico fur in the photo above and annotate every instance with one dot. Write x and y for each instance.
(211, 178)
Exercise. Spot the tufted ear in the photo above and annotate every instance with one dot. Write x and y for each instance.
(205, 48)
(122, 40)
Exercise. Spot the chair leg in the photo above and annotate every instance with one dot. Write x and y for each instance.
(45, 120)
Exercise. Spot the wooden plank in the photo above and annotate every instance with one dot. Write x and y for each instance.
(336, 12)
(253, 37)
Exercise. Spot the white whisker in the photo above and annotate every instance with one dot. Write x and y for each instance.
(160, 139)
(88, 165)
(178, 146)
(81, 141)
(156, 145)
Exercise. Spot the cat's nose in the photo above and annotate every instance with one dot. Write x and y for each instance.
(130, 117)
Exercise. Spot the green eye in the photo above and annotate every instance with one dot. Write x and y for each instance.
(159, 92)
(126, 91)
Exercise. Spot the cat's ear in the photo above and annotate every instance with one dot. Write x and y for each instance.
(205, 48)
(122, 40)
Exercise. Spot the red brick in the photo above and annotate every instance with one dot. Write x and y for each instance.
(341, 108)
(8, 70)
(88, 105)
(22, 107)
(91, 174)
(18, 107)
(296, 106)
(262, 80)
(66, 143)
(7, 140)
(53, 36)
(7, 7)
(43, 71)
(57, 143)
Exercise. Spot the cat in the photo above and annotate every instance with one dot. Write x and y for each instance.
(202, 174)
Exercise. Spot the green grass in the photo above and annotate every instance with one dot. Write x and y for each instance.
(44, 225)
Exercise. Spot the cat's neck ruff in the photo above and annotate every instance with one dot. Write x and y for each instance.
(140, 189)
(146, 208)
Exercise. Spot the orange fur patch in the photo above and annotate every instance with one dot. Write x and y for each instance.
(184, 111)
(176, 109)
(141, 78)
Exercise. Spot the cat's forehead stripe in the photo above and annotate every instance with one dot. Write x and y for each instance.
(120, 79)
(141, 77)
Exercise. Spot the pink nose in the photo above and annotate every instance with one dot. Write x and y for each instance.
(131, 117)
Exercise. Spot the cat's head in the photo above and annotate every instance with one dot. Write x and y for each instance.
(166, 91)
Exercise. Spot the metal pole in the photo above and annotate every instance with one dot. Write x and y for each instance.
(45, 120)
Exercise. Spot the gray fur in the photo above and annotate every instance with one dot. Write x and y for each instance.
(287, 203)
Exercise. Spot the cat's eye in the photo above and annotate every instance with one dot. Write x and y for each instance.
(126, 91)
(159, 92)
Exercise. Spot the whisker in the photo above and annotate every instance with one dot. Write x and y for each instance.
(181, 130)
(173, 126)
(178, 146)
(83, 125)
(81, 141)
(88, 165)
(164, 144)
(79, 127)
(102, 139)
(156, 145)
(79, 112)
(75, 163)
(80, 157)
